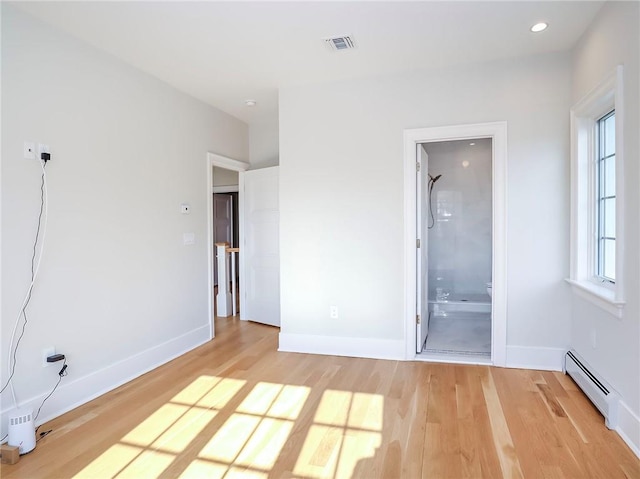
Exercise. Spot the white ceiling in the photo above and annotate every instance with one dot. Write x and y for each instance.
(226, 52)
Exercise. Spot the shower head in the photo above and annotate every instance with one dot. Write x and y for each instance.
(433, 180)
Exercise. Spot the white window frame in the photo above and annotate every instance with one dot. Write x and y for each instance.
(602, 197)
(584, 121)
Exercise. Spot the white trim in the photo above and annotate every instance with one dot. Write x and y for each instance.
(601, 296)
(453, 358)
(606, 96)
(528, 357)
(73, 394)
(234, 165)
(629, 427)
(225, 189)
(497, 131)
(227, 163)
(342, 346)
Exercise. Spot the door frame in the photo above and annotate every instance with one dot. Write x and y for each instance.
(422, 159)
(497, 131)
(220, 161)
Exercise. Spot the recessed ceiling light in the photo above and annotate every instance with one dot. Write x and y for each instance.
(471, 144)
(250, 103)
(538, 27)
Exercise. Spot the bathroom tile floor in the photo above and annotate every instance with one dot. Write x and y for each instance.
(460, 333)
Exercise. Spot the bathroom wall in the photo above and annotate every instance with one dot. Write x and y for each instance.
(460, 240)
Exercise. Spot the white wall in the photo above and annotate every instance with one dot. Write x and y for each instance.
(264, 141)
(460, 239)
(342, 234)
(118, 292)
(614, 39)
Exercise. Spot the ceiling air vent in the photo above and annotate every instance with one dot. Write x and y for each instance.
(340, 43)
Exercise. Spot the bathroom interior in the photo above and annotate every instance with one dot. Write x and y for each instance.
(459, 234)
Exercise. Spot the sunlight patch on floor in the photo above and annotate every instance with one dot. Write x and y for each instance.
(148, 464)
(346, 429)
(264, 447)
(229, 440)
(191, 394)
(184, 430)
(199, 469)
(151, 428)
(111, 462)
(149, 448)
(254, 435)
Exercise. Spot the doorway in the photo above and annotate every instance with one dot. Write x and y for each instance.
(421, 298)
(258, 240)
(225, 220)
(454, 215)
(226, 171)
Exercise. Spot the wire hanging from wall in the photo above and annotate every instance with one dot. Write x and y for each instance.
(35, 267)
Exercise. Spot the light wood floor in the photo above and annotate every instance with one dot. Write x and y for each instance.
(237, 408)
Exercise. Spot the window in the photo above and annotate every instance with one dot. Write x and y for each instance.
(606, 207)
(597, 196)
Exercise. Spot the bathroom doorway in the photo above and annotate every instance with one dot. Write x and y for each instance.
(457, 202)
(455, 211)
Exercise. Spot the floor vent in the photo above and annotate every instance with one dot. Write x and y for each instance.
(597, 390)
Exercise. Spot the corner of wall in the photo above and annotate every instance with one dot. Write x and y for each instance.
(527, 357)
(629, 427)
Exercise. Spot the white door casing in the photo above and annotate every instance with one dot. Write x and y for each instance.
(422, 249)
(261, 245)
(497, 131)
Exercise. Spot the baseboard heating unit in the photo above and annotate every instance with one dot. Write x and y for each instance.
(597, 390)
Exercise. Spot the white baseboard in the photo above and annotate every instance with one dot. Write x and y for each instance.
(340, 346)
(629, 427)
(70, 395)
(527, 357)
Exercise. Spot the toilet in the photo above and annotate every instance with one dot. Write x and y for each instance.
(489, 290)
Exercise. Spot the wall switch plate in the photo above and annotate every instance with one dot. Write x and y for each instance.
(46, 352)
(29, 150)
(333, 312)
(188, 238)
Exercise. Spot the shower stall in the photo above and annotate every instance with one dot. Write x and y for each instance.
(459, 222)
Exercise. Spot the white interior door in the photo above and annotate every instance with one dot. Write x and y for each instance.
(222, 224)
(261, 246)
(422, 293)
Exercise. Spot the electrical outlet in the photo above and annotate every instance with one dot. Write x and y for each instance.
(46, 352)
(333, 312)
(42, 148)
